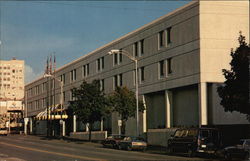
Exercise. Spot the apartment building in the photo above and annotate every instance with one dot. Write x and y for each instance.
(180, 60)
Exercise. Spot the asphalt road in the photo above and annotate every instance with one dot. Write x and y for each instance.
(34, 148)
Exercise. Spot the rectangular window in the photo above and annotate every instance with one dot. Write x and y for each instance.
(142, 74)
(87, 68)
(84, 71)
(142, 46)
(62, 78)
(98, 65)
(120, 56)
(161, 68)
(169, 64)
(136, 49)
(115, 81)
(115, 59)
(169, 35)
(120, 77)
(73, 75)
(161, 39)
(102, 62)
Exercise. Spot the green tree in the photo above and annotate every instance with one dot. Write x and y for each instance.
(234, 92)
(124, 102)
(89, 104)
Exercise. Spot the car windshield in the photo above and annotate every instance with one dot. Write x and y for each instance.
(241, 142)
(192, 132)
(204, 134)
(181, 133)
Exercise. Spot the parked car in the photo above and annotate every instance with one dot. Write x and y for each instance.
(112, 141)
(240, 151)
(195, 140)
(3, 131)
(132, 143)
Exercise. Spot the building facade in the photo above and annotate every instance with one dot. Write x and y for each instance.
(12, 91)
(180, 60)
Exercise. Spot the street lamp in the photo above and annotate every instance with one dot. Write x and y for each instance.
(124, 52)
(61, 86)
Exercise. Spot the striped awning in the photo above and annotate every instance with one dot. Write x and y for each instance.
(55, 113)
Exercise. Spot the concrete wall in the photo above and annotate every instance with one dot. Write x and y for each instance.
(185, 106)
(156, 110)
(159, 137)
(220, 23)
(95, 135)
(216, 112)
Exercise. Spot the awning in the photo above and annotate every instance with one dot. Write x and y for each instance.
(55, 113)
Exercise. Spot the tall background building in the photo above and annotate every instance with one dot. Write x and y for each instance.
(11, 91)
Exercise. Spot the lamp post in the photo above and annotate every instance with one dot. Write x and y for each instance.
(124, 52)
(61, 86)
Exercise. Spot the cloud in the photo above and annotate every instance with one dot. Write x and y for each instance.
(30, 74)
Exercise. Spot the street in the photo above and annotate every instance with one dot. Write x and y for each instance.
(34, 148)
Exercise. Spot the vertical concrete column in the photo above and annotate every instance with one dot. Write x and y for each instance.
(63, 128)
(31, 129)
(87, 127)
(74, 123)
(203, 104)
(144, 115)
(101, 124)
(168, 104)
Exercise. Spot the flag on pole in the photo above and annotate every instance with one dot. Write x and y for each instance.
(54, 62)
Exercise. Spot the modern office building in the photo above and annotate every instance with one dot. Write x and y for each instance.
(12, 90)
(180, 60)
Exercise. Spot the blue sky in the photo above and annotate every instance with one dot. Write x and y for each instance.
(32, 30)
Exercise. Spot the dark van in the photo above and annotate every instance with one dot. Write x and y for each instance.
(195, 140)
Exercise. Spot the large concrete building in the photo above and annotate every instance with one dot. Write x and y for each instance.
(180, 60)
(12, 90)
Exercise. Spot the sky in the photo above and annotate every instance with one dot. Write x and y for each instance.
(33, 30)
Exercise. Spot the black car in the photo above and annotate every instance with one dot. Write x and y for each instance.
(239, 151)
(195, 140)
(133, 143)
(112, 141)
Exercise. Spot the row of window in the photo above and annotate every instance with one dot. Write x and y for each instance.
(164, 39)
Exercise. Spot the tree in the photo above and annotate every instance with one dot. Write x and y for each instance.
(124, 102)
(234, 92)
(89, 104)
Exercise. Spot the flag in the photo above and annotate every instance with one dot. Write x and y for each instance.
(54, 62)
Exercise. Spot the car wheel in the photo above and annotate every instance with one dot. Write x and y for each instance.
(144, 149)
(114, 146)
(190, 153)
(227, 156)
(170, 150)
(119, 147)
(129, 148)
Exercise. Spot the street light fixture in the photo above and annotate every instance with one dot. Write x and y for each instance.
(61, 86)
(124, 52)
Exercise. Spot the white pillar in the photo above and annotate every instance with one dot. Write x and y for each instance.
(102, 124)
(63, 128)
(74, 123)
(144, 115)
(203, 104)
(87, 127)
(31, 129)
(168, 104)
(25, 125)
